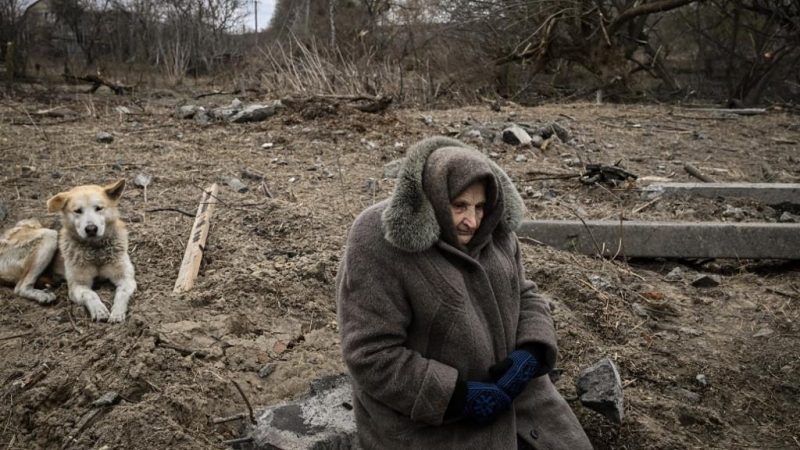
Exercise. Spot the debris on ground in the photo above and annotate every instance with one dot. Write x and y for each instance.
(600, 389)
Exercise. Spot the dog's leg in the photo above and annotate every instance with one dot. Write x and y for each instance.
(126, 284)
(35, 264)
(81, 293)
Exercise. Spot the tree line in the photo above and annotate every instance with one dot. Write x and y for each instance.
(743, 51)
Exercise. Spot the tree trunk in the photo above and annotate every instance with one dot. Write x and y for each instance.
(332, 12)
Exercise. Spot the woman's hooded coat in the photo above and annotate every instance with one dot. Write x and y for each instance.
(417, 311)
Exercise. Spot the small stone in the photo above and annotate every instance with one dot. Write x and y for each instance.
(427, 120)
(735, 213)
(788, 217)
(470, 133)
(55, 175)
(684, 394)
(600, 283)
(700, 135)
(392, 169)
(494, 155)
(600, 389)
(142, 180)
(267, 370)
(3, 211)
(267, 145)
(187, 111)
(104, 137)
(27, 171)
(764, 332)
(704, 281)
(235, 184)
(253, 113)
(786, 369)
(675, 274)
(122, 110)
(701, 380)
(515, 135)
(608, 145)
(109, 398)
(537, 141)
(521, 158)
(237, 104)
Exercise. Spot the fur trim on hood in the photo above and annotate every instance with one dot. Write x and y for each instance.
(409, 220)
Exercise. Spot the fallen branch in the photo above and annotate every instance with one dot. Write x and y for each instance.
(695, 172)
(8, 338)
(209, 94)
(220, 420)
(647, 205)
(170, 209)
(246, 401)
(97, 81)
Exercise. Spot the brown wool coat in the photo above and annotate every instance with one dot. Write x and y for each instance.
(417, 312)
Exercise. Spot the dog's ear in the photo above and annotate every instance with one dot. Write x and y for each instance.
(114, 191)
(57, 202)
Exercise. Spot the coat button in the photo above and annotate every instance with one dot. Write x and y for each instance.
(534, 434)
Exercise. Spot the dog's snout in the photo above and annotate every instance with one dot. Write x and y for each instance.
(91, 230)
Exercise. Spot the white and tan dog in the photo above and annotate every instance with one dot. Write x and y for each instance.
(92, 244)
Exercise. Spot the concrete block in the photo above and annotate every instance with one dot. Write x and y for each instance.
(600, 389)
(669, 239)
(321, 420)
(776, 194)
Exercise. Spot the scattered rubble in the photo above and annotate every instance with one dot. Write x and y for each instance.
(514, 135)
(675, 274)
(600, 389)
(103, 137)
(235, 184)
(322, 419)
(254, 113)
(3, 211)
(706, 281)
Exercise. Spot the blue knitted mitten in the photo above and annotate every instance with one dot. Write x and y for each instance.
(485, 402)
(522, 366)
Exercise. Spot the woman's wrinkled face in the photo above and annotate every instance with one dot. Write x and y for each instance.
(467, 211)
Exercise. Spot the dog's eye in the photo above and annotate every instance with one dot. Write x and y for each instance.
(79, 211)
(98, 208)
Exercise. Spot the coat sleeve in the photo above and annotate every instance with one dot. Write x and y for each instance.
(373, 318)
(535, 323)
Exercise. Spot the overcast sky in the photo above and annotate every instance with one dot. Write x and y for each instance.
(265, 10)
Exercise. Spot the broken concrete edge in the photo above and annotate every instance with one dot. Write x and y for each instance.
(321, 419)
(776, 194)
(668, 239)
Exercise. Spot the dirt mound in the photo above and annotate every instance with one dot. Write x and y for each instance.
(263, 314)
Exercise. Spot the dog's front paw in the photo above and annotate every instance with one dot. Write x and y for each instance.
(45, 297)
(117, 316)
(97, 310)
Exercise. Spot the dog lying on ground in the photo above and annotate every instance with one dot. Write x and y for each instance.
(92, 245)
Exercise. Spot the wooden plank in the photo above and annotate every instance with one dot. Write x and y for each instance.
(190, 265)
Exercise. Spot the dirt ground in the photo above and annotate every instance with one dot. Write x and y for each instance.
(265, 293)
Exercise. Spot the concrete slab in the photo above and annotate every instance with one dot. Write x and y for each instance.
(321, 420)
(775, 194)
(670, 239)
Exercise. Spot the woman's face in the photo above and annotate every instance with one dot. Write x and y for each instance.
(467, 211)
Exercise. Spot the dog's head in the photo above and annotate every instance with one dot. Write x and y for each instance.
(87, 210)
